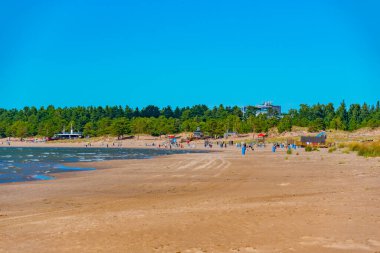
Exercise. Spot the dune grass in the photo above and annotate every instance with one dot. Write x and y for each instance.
(308, 149)
(367, 149)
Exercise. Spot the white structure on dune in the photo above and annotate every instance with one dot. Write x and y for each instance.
(71, 135)
(267, 107)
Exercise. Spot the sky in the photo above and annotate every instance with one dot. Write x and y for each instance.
(182, 53)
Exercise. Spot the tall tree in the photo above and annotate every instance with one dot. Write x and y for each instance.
(120, 127)
(150, 111)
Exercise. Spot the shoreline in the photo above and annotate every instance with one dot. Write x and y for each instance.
(89, 166)
(198, 145)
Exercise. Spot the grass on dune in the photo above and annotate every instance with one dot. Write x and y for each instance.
(368, 149)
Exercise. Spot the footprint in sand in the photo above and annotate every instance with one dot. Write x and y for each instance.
(335, 244)
(195, 250)
(374, 242)
(251, 250)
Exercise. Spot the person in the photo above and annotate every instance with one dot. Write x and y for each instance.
(243, 148)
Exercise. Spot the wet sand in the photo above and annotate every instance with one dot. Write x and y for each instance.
(215, 202)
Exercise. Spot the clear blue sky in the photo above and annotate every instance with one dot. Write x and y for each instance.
(69, 53)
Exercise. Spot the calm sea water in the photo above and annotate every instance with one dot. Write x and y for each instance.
(26, 164)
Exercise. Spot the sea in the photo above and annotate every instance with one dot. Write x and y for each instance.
(37, 163)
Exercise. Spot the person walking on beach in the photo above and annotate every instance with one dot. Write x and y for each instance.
(243, 148)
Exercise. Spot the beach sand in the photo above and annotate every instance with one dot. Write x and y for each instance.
(214, 202)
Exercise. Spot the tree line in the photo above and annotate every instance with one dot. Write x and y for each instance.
(120, 121)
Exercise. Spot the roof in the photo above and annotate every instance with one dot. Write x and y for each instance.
(70, 134)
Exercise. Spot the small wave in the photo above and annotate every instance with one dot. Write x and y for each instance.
(64, 168)
(41, 177)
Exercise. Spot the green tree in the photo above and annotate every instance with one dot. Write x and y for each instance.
(128, 112)
(3, 129)
(342, 114)
(316, 125)
(20, 129)
(167, 112)
(150, 111)
(353, 117)
(329, 114)
(89, 129)
(104, 126)
(120, 127)
(139, 126)
(285, 124)
(337, 123)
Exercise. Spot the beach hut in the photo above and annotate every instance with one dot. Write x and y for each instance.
(319, 140)
(198, 134)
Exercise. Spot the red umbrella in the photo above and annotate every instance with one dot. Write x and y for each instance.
(261, 135)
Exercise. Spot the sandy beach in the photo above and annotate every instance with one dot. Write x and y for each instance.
(214, 202)
(190, 126)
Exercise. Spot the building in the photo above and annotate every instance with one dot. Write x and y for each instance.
(198, 134)
(71, 135)
(267, 107)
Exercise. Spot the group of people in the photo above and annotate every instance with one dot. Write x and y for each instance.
(244, 147)
(275, 146)
(281, 145)
(7, 143)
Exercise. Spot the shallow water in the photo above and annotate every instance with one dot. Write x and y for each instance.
(28, 164)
